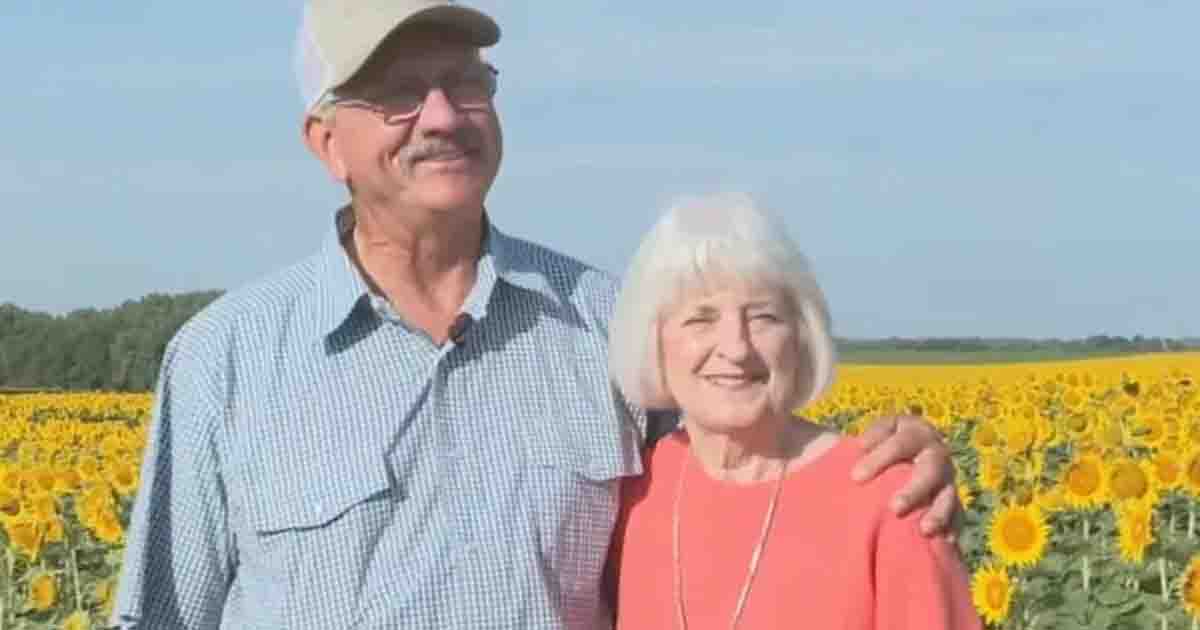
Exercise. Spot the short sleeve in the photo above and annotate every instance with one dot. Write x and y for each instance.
(179, 558)
(921, 583)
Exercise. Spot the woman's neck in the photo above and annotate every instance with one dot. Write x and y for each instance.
(760, 453)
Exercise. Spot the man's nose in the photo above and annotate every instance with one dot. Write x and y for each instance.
(438, 113)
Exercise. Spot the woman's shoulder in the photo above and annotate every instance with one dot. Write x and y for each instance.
(871, 496)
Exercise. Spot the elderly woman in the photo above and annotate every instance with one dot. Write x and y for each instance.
(747, 516)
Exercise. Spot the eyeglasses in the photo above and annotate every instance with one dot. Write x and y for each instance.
(403, 99)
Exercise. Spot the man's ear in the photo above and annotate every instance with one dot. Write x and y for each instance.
(322, 142)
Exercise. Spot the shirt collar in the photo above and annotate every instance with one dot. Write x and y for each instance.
(340, 286)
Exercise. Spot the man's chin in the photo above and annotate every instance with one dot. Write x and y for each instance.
(455, 203)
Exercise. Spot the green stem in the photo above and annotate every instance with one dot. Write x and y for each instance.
(1087, 576)
(6, 599)
(74, 573)
(1162, 580)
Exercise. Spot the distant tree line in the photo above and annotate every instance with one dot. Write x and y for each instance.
(115, 349)
(119, 349)
(1095, 344)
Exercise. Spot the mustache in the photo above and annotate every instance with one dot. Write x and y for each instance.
(461, 141)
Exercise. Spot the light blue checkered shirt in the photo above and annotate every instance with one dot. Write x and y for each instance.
(314, 463)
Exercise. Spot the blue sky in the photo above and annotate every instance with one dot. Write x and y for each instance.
(1009, 169)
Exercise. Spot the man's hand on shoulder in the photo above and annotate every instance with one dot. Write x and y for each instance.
(899, 439)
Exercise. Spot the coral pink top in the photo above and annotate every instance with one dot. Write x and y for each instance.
(836, 557)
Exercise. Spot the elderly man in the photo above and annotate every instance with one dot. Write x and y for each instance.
(413, 428)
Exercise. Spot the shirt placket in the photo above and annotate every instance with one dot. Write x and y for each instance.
(459, 474)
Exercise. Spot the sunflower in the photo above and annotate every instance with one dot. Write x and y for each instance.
(1028, 469)
(1072, 397)
(1110, 434)
(124, 478)
(105, 592)
(1167, 465)
(1135, 532)
(992, 471)
(66, 482)
(10, 502)
(88, 468)
(1191, 472)
(43, 507)
(1052, 499)
(1132, 481)
(984, 438)
(107, 528)
(1151, 430)
(1077, 426)
(1189, 587)
(965, 496)
(1018, 534)
(25, 535)
(43, 592)
(42, 481)
(1083, 482)
(1020, 432)
(992, 593)
(77, 620)
(55, 530)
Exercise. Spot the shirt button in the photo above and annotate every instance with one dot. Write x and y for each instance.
(318, 507)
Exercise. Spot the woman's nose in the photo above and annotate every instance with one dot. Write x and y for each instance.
(733, 340)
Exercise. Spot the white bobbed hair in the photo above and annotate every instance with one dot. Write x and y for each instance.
(699, 242)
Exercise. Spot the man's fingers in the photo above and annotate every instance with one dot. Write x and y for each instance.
(872, 461)
(880, 430)
(898, 446)
(942, 517)
(929, 476)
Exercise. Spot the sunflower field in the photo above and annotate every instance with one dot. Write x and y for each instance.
(1081, 482)
(68, 474)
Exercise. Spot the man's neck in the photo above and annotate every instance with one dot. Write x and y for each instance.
(423, 262)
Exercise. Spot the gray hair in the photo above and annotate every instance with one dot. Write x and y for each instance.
(702, 238)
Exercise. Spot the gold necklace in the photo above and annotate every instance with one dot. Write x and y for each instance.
(680, 616)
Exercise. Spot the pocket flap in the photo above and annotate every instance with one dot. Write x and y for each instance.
(307, 495)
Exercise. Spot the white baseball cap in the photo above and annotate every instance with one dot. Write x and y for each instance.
(338, 36)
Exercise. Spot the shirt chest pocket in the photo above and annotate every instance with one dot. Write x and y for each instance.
(311, 532)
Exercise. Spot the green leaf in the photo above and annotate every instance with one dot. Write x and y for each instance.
(1114, 595)
(1051, 599)
(1132, 608)
(1101, 619)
